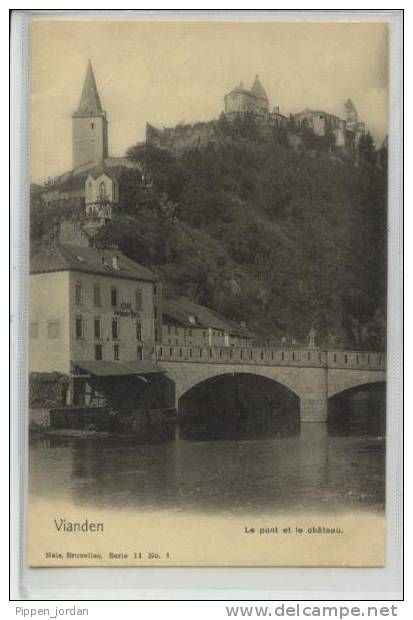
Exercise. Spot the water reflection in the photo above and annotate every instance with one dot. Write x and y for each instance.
(304, 468)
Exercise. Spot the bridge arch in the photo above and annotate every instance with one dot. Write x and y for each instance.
(341, 380)
(188, 375)
(358, 387)
(217, 375)
(362, 406)
(243, 404)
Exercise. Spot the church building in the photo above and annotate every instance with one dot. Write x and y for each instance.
(92, 186)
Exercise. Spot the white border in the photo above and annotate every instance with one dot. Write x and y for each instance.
(190, 583)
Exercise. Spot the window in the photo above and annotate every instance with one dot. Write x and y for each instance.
(116, 352)
(78, 293)
(139, 352)
(176, 331)
(98, 352)
(169, 329)
(97, 327)
(96, 296)
(92, 125)
(138, 299)
(114, 296)
(155, 312)
(190, 332)
(33, 331)
(155, 290)
(102, 190)
(79, 327)
(156, 334)
(115, 329)
(53, 329)
(138, 330)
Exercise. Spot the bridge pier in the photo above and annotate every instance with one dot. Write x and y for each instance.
(314, 409)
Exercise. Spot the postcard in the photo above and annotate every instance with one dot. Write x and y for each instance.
(207, 320)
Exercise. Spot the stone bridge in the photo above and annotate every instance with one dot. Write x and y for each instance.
(312, 375)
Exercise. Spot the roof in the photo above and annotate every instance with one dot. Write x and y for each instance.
(117, 369)
(180, 310)
(101, 168)
(240, 90)
(349, 105)
(258, 89)
(65, 257)
(75, 179)
(89, 101)
(308, 112)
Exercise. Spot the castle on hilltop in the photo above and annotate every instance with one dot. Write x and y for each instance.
(241, 103)
(91, 187)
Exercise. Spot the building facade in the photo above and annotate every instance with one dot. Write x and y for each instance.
(91, 305)
(240, 101)
(187, 323)
(346, 131)
(101, 193)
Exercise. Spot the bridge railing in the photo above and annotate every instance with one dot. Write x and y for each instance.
(268, 356)
(356, 359)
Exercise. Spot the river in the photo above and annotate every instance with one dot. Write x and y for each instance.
(309, 468)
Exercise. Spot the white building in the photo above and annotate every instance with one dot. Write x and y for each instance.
(93, 313)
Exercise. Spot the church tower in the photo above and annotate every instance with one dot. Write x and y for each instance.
(90, 126)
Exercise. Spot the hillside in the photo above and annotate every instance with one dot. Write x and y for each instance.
(279, 238)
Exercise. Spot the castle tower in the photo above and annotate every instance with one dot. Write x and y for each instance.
(90, 126)
(351, 115)
(259, 93)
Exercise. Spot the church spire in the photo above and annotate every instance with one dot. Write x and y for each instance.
(90, 125)
(90, 101)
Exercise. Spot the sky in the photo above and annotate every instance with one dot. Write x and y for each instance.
(165, 73)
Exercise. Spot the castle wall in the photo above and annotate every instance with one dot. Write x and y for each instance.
(183, 137)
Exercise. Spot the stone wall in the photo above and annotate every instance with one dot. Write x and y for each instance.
(39, 419)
